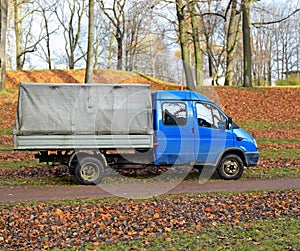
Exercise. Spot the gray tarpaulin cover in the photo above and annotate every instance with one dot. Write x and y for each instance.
(53, 109)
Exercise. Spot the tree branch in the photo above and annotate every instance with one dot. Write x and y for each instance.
(214, 14)
(276, 21)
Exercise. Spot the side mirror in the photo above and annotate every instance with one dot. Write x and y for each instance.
(229, 123)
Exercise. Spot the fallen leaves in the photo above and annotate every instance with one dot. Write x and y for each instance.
(34, 172)
(60, 225)
(269, 164)
(280, 105)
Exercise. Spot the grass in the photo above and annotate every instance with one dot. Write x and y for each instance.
(6, 131)
(276, 173)
(263, 125)
(8, 91)
(280, 153)
(290, 81)
(272, 234)
(13, 165)
(38, 182)
(277, 141)
(5, 148)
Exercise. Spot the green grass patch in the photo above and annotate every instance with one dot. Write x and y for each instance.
(272, 234)
(290, 81)
(263, 125)
(6, 131)
(280, 153)
(15, 165)
(275, 173)
(5, 148)
(277, 141)
(38, 182)
(8, 92)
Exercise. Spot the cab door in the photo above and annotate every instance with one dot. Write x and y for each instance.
(175, 137)
(211, 133)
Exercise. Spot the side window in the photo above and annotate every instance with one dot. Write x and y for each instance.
(210, 116)
(174, 113)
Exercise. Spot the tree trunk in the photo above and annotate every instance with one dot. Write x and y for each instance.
(110, 52)
(196, 43)
(247, 44)
(48, 50)
(90, 53)
(232, 39)
(3, 30)
(119, 39)
(184, 45)
(18, 35)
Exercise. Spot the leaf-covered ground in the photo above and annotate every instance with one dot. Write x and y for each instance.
(272, 115)
(42, 226)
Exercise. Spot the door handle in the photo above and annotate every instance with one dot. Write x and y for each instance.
(193, 130)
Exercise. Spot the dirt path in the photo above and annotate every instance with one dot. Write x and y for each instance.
(8, 195)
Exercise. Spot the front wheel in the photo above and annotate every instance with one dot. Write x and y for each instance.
(230, 167)
(89, 170)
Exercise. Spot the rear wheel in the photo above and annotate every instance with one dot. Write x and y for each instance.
(89, 170)
(230, 167)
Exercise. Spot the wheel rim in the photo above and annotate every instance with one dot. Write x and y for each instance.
(231, 167)
(90, 171)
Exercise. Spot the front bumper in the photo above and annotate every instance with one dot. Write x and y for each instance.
(251, 158)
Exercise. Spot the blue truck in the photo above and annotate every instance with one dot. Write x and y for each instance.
(92, 127)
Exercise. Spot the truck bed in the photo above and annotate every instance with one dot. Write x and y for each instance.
(68, 116)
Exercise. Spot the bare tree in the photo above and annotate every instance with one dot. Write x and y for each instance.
(90, 49)
(25, 40)
(102, 38)
(116, 14)
(70, 14)
(213, 31)
(276, 36)
(137, 33)
(44, 8)
(3, 31)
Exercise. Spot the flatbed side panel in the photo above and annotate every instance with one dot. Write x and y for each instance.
(63, 142)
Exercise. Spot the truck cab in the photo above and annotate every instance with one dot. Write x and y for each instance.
(192, 130)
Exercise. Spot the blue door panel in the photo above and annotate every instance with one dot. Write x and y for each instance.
(211, 136)
(210, 143)
(175, 142)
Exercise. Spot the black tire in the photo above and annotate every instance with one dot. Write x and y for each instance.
(89, 170)
(231, 167)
